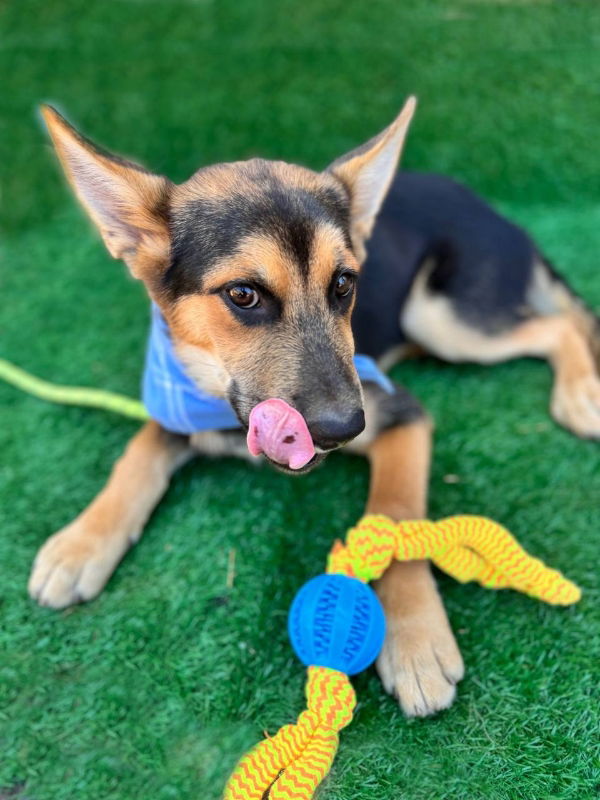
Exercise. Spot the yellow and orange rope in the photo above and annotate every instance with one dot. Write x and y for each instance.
(469, 548)
(291, 764)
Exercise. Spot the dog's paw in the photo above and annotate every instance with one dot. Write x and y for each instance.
(576, 405)
(420, 666)
(71, 567)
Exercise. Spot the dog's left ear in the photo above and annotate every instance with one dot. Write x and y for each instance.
(367, 173)
(126, 203)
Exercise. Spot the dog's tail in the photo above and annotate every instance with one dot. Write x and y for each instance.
(551, 294)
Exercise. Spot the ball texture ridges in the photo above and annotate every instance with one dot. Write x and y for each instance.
(336, 622)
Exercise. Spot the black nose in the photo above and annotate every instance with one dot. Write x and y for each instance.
(332, 431)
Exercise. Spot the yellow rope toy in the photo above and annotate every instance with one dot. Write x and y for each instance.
(332, 642)
(291, 764)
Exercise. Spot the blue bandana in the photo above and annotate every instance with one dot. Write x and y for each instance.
(179, 405)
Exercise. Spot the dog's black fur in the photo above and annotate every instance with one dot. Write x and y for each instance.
(483, 263)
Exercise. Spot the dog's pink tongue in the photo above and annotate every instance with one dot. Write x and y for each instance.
(279, 431)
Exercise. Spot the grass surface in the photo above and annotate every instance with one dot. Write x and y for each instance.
(157, 687)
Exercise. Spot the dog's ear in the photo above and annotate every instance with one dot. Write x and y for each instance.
(367, 172)
(127, 203)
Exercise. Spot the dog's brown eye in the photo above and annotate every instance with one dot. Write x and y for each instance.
(244, 296)
(344, 285)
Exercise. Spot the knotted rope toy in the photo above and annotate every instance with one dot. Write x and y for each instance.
(337, 626)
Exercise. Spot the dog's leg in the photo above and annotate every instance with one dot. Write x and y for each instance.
(75, 563)
(420, 662)
(565, 339)
(575, 400)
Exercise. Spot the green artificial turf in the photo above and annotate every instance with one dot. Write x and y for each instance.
(156, 688)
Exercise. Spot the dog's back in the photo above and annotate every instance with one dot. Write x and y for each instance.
(479, 259)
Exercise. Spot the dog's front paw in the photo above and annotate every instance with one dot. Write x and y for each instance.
(420, 664)
(576, 405)
(72, 566)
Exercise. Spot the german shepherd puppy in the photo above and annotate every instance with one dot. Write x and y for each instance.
(254, 266)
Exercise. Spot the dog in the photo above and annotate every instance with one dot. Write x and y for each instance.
(265, 279)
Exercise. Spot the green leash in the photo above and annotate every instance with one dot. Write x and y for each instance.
(72, 395)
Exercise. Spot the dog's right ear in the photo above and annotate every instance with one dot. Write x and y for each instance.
(367, 172)
(128, 204)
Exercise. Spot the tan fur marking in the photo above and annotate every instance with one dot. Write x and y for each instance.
(547, 295)
(575, 400)
(258, 257)
(202, 326)
(75, 563)
(218, 443)
(431, 322)
(420, 662)
(400, 471)
(328, 253)
(220, 181)
(215, 182)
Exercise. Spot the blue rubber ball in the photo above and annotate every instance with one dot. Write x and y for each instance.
(337, 622)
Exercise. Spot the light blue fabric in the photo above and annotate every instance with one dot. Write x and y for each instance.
(173, 399)
(369, 371)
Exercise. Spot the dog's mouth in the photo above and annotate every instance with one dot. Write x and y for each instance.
(317, 459)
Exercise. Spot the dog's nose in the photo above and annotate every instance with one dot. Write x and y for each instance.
(331, 431)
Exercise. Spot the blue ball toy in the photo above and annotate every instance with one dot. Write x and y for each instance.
(336, 622)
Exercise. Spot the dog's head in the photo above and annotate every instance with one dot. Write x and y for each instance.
(253, 265)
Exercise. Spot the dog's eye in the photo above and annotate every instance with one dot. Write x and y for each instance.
(244, 296)
(344, 284)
